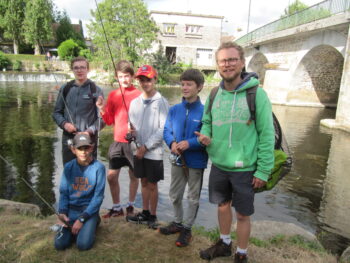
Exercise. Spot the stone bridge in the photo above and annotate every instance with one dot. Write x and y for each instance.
(306, 65)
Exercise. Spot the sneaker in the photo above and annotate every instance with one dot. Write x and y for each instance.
(152, 222)
(184, 238)
(114, 213)
(172, 228)
(139, 218)
(220, 249)
(240, 258)
(130, 210)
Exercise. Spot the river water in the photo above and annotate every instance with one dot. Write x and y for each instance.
(314, 195)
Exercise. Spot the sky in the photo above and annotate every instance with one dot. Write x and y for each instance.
(235, 12)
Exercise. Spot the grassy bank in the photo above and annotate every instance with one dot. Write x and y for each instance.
(28, 239)
(28, 57)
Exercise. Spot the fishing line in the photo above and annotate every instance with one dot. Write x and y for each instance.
(38, 195)
(111, 56)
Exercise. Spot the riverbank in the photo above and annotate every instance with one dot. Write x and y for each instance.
(27, 238)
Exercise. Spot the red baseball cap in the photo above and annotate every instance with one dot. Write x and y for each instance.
(147, 71)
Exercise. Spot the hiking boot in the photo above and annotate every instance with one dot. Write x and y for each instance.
(114, 213)
(139, 218)
(152, 222)
(220, 249)
(172, 228)
(241, 258)
(130, 210)
(184, 238)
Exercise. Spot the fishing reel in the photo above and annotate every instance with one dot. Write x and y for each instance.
(130, 137)
(70, 143)
(175, 159)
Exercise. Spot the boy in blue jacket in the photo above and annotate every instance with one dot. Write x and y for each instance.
(81, 195)
(188, 156)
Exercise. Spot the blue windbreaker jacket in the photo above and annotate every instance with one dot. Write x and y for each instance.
(182, 121)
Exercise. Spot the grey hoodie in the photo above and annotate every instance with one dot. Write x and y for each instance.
(148, 119)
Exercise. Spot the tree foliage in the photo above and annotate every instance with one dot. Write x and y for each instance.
(129, 29)
(4, 61)
(68, 49)
(294, 8)
(38, 22)
(65, 30)
(11, 20)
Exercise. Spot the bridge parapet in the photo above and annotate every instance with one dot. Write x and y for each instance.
(316, 12)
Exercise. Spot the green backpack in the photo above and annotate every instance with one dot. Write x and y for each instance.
(283, 160)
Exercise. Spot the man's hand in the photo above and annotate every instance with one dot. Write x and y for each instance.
(61, 219)
(258, 183)
(203, 139)
(69, 127)
(182, 146)
(100, 104)
(76, 227)
(141, 152)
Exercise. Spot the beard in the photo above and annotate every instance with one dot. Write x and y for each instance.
(232, 78)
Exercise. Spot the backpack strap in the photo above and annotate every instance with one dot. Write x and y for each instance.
(70, 84)
(212, 95)
(67, 88)
(251, 95)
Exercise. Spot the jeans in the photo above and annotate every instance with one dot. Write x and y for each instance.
(86, 236)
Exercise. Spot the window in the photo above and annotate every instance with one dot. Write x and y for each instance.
(169, 29)
(193, 29)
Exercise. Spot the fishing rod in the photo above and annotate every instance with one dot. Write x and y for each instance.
(111, 56)
(40, 197)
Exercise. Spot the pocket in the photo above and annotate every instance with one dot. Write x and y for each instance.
(227, 156)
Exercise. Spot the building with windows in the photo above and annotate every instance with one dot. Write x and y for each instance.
(189, 38)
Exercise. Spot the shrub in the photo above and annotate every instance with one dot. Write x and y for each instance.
(4, 61)
(86, 53)
(17, 65)
(68, 49)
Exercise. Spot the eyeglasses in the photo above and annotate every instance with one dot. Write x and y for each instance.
(81, 68)
(229, 61)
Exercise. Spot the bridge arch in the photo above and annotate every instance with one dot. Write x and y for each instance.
(257, 65)
(317, 77)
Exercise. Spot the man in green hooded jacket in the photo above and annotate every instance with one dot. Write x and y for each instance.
(241, 151)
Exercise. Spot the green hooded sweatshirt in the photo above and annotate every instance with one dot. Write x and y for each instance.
(236, 146)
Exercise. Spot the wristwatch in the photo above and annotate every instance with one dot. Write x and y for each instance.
(81, 219)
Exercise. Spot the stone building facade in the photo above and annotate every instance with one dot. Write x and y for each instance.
(189, 38)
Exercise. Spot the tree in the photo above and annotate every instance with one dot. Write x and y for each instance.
(129, 29)
(38, 23)
(294, 8)
(11, 20)
(66, 31)
(68, 49)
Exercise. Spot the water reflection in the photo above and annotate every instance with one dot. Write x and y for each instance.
(26, 142)
(314, 195)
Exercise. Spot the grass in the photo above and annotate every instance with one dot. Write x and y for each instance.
(29, 57)
(28, 239)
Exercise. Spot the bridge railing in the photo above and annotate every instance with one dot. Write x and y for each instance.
(318, 11)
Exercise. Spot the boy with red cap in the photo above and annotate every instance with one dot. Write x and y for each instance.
(115, 113)
(147, 115)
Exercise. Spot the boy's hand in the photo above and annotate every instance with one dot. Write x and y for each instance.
(69, 127)
(203, 139)
(174, 148)
(100, 103)
(61, 218)
(141, 152)
(182, 146)
(76, 227)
